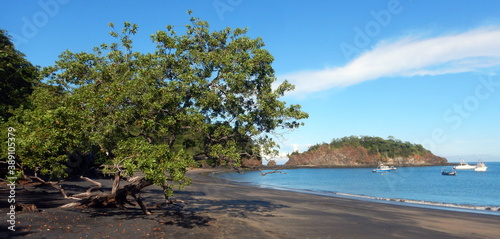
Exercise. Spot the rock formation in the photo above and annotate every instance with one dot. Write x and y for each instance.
(347, 156)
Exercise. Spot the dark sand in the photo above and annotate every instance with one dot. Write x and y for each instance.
(214, 208)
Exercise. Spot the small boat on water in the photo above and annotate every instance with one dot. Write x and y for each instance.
(464, 165)
(480, 167)
(446, 173)
(381, 168)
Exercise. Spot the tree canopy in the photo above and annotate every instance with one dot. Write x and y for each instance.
(205, 94)
(17, 75)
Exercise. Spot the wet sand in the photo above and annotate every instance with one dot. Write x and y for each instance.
(214, 208)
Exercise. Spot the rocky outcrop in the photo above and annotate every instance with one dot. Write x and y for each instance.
(251, 162)
(271, 163)
(348, 156)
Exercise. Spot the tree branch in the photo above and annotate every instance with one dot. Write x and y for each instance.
(87, 193)
(56, 186)
(266, 173)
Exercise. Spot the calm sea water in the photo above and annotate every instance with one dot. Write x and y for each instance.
(422, 185)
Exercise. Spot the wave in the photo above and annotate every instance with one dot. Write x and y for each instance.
(439, 205)
(420, 202)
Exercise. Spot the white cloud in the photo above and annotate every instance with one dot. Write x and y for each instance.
(411, 56)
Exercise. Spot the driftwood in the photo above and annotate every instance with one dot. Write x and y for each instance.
(21, 207)
(118, 199)
(98, 185)
(57, 186)
(54, 185)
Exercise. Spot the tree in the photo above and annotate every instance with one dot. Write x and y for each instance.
(18, 77)
(17, 81)
(130, 109)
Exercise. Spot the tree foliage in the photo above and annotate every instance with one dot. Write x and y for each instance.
(203, 93)
(17, 75)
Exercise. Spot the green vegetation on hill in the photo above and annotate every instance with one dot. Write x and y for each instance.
(387, 148)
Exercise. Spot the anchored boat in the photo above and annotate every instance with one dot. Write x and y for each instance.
(480, 167)
(464, 165)
(446, 173)
(382, 168)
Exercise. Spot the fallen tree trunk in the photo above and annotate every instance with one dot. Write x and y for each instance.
(118, 199)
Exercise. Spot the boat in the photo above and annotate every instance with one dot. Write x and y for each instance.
(480, 167)
(446, 173)
(464, 165)
(381, 168)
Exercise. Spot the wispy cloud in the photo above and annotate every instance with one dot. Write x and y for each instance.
(410, 56)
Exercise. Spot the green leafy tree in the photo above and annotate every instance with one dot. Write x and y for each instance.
(47, 132)
(18, 78)
(17, 75)
(133, 109)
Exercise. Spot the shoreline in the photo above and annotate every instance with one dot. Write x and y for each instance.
(216, 208)
(490, 210)
(480, 209)
(431, 222)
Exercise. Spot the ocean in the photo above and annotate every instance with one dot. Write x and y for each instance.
(407, 185)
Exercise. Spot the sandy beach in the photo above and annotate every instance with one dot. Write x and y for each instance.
(214, 208)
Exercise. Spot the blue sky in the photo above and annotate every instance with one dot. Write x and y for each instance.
(421, 71)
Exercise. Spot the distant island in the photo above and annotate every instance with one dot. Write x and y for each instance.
(364, 151)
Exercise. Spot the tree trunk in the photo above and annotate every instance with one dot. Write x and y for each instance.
(133, 189)
(116, 184)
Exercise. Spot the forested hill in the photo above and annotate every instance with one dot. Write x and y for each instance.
(365, 151)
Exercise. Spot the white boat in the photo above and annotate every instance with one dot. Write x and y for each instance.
(464, 165)
(480, 167)
(382, 168)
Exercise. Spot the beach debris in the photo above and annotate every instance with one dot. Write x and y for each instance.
(21, 207)
(177, 202)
